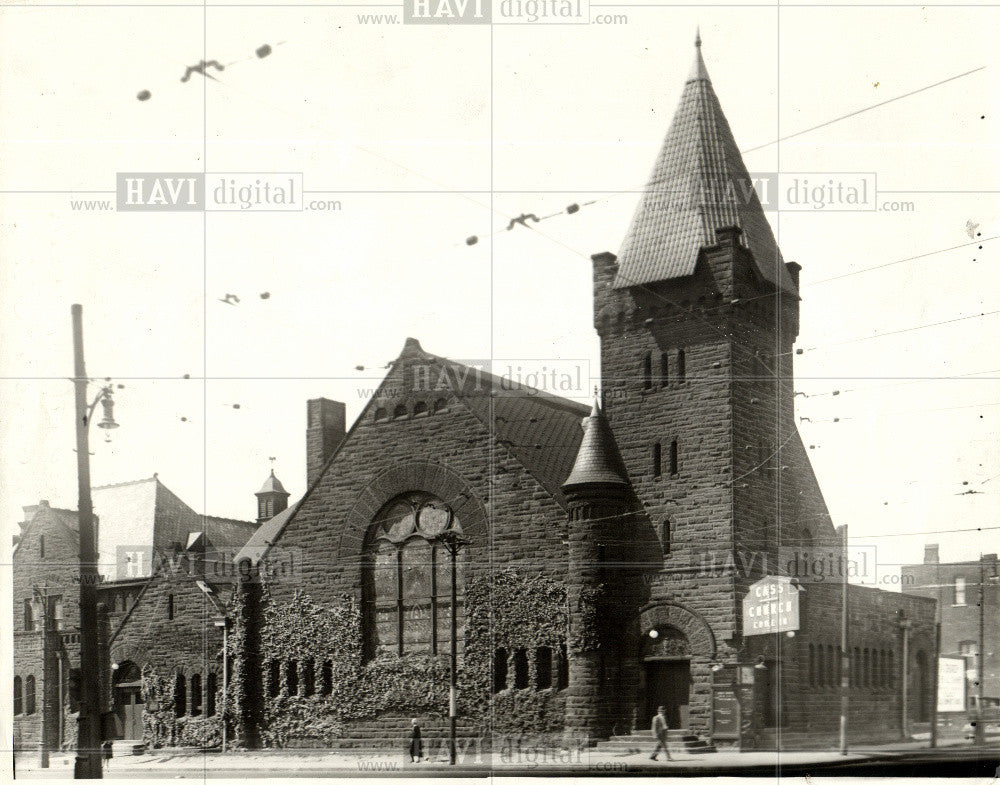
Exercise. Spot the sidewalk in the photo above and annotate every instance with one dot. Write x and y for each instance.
(186, 763)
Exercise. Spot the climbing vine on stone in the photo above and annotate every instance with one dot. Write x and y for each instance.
(508, 609)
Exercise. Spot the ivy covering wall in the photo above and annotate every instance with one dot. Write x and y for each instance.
(507, 610)
(162, 727)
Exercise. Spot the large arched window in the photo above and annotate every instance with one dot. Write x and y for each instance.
(408, 573)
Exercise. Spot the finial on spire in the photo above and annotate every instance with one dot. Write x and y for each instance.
(698, 70)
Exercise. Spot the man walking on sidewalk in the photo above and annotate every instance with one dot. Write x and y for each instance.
(660, 729)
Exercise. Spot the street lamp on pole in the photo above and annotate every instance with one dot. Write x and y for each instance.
(88, 756)
(452, 542)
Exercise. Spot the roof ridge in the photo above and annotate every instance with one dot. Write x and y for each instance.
(224, 518)
(543, 396)
(154, 478)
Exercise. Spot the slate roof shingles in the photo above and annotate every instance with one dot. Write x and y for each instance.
(699, 184)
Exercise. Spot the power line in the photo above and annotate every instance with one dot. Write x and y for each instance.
(856, 112)
(893, 332)
(900, 261)
(921, 533)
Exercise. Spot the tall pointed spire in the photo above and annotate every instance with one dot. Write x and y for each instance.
(699, 184)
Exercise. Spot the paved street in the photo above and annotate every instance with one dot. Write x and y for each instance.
(914, 759)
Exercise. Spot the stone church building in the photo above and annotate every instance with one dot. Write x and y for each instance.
(589, 563)
(604, 553)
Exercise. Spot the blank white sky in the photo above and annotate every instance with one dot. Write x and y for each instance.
(551, 112)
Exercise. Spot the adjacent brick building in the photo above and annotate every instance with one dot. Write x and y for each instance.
(956, 588)
(147, 538)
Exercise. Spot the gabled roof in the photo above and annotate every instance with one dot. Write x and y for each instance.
(265, 536)
(142, 515)
(699, 184)
(541, 430)
(598, 460)
(69, 519)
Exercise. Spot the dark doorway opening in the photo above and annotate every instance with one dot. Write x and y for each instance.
(668, 684)
(771, 695)
(128, 699)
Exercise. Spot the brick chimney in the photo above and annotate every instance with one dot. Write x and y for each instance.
(794, 268)
(326, 426)
(931, 554)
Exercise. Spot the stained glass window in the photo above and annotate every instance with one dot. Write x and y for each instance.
(409, 588)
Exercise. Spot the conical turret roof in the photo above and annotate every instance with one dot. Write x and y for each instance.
(699, 184)
(598, 460)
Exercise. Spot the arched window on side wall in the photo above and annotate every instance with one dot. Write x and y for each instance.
(327, 680)
(180, 695)
(18, 696)
(211, 687)
(196, 695)
(543, 667)
(647, 371)
(499, 670)
(274, 678)
(308, 677)
(29, 695)
(521, 680)
(562, 668)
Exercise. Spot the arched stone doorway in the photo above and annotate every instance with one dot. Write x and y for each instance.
(665, 654)
(674, 648)
(128, 703)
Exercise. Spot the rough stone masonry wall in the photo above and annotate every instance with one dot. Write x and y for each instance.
(511, 520)
(56, 571)
(163, 647)
(696, 502)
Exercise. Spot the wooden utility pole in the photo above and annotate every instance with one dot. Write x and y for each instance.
(979, 734)
(845, 657)
(88, 754)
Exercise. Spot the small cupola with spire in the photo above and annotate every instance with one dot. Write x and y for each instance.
(272, 498)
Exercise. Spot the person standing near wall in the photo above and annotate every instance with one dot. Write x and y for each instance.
(416, 743)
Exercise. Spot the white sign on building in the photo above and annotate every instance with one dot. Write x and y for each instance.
(951, 684)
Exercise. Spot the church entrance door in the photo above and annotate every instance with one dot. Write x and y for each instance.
(668, 684)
